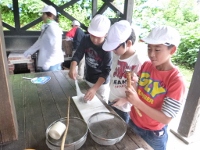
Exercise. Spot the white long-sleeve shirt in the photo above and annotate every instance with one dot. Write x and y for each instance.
(49, 45)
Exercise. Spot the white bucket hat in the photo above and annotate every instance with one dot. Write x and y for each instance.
(99, 26)
(49, 8)
(119, 32)
(75, 23)
(163, 35)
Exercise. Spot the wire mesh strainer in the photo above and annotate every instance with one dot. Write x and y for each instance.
(76, 136)
(106, 128)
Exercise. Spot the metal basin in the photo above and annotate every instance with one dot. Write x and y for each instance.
(76, 136)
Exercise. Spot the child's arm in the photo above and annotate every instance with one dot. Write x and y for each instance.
(78, 55)
(72, 72)
(92, 91)
(133, 98)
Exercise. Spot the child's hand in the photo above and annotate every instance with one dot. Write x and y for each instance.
(119, 102)
(132, 96)
(90, 94)
(72, 73)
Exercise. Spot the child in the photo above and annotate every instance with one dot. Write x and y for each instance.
(120, 40)
(160, 88)
(98, 62)
(49, 43)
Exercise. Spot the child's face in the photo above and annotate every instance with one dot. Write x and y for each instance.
(160, 54)
(44, 17)
(120, 50)
(123, 48)
(97, 40)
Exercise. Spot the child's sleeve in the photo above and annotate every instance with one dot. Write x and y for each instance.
(78, 55)
(174, 98)
(106, 67)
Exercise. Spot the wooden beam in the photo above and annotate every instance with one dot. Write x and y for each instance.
(8, 120)
(8, 26)
(128, 10)
(94, 7)
(190, 116)
(63, 12)
(16, 14)
(70, 3)
(115, 9)
(102, 9)
(36, 21)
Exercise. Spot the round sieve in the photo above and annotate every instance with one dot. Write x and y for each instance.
(106, 128)
(76, 136)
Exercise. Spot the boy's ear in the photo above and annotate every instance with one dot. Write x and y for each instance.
(129, 43)
(173, 50)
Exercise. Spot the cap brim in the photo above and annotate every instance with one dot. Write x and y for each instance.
(109, 46)
(151, 41)
(95, 33)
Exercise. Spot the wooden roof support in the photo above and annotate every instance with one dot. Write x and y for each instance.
(191, 113)
(128, 10)
(8, 120)
(94, 7)
(16, 14)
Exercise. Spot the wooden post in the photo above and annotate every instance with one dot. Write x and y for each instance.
(8, 120)
(128, 10)
(16, 14)
(187, 130)
(94, 7)
(191, 110)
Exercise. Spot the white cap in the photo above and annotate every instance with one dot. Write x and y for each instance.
(163, 35)
(49, 8)
(99, 26)
(119, 32)
(75, 23)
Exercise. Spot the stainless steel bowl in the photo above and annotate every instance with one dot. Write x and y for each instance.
(106, 128)
(76, 136)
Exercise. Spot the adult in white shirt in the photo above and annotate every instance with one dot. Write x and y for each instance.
(49, 42)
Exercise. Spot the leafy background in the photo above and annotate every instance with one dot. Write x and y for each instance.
(182, 14)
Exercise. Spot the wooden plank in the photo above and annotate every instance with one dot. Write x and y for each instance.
(8, 120)
(34, 117)
(19, 106)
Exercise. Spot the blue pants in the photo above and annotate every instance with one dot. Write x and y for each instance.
(56, 67)
(156, 139)
(124, 115)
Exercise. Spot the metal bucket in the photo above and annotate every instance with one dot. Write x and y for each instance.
(106, 128)
(76, 136)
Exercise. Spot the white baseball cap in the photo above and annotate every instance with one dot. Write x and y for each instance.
(99, 26)
(75, 23)
(163, 35)
(49, 8)
(119, 32)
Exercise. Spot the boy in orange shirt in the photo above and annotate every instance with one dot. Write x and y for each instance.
(160, 88)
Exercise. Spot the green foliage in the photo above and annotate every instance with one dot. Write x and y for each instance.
(181, 14)
(189, 46)
(31, 10)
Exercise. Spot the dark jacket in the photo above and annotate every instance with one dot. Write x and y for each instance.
(79, 34)
(97, 61)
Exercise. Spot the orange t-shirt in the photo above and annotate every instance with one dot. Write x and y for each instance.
(161, 90)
